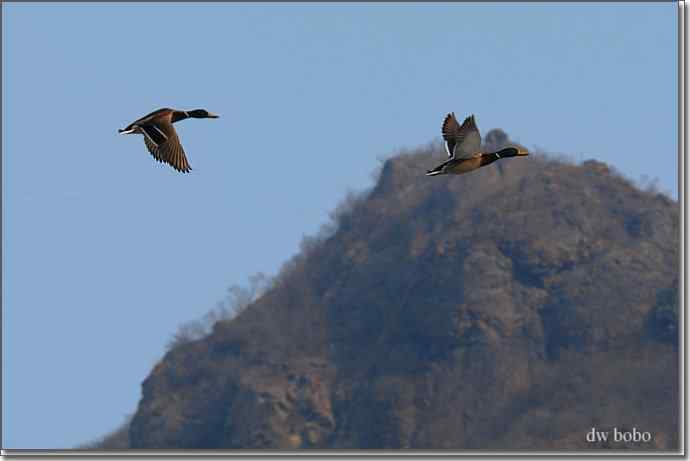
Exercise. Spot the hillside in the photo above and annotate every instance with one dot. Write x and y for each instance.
(515, 307)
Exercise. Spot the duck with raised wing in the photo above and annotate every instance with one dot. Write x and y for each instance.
(160, 136)
(463, 145)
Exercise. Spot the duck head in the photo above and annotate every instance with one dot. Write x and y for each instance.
(201, 113)
(512, 151)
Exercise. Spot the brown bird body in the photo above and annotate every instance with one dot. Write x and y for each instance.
(463, 146)
(160, 136)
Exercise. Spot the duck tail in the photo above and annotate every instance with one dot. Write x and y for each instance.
(435, 171)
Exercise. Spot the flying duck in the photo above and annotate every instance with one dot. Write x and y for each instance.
(463, 145)
(160, 136)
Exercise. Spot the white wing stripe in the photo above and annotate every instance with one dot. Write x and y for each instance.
(149, 137)
(161, 132)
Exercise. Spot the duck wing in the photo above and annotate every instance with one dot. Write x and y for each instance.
(449, 129)
(462, 141)
(153, 149)
(162, 142)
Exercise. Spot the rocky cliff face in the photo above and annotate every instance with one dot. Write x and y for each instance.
(515, 307)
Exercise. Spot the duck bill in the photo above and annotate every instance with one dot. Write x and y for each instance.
(522, 152)
(211, 115)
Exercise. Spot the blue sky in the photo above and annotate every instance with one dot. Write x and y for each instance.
(106, 252)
